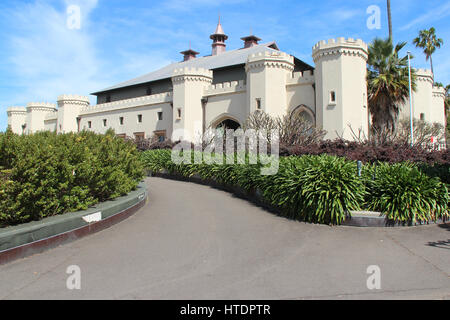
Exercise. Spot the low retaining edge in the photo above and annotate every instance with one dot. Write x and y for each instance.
(34, 237)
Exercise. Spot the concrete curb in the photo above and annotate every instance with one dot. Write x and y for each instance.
(358, 218)
(35, 237)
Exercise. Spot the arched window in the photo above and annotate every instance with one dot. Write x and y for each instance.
(306, 113)
(228, 124)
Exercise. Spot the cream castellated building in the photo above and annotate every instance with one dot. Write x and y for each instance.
(224, 88)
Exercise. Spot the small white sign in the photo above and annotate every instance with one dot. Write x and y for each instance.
(93, 217)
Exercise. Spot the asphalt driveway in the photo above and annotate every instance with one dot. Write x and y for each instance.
(195, 242)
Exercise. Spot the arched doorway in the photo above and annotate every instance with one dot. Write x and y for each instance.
(228, 124)
(305, 113)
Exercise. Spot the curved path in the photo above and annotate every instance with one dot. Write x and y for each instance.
(195, 242)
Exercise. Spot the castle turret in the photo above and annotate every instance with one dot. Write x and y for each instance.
(438, 106)
(422, 97)
(341, 88)
(267, 75)
(17, 119)
(36, 114)
(188, 114)
(69, 108)
(218, 38)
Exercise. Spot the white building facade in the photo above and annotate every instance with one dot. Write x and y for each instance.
(225, 88)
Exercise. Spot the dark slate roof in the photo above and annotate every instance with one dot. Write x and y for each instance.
(226, 59)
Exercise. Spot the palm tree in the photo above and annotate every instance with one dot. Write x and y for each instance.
(389, 18)
(388, 84)
(428, 41)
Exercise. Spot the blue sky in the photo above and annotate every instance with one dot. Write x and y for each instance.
(41, 58)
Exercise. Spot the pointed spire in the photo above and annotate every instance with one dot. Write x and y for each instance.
(218, 38)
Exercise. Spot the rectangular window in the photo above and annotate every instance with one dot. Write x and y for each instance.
(121, 121)
(89, 124)
(422, 116)
(139, 118)
(160, 135)
(179, 113)
(139, 136)
(105, 122)
(332, 97)
(108, 98)
(258, 104)
(160, 115)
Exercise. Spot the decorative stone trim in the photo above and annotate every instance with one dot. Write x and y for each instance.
(16, 111)
(439, 92)
(341, 46)
(182, 79)
(192, 74)
(268, 59)
(301, 78)
(424, 75)
(41, 106)
(73, 97)
(129, 103)
(225, 88)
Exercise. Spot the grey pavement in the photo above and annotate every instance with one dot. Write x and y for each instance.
(195, 242)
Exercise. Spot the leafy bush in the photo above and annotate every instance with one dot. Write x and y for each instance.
(321, 189)
(51, 174)
(405, 194)
(434, 163)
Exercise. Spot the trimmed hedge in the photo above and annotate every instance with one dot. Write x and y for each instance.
(324, 189)
(47, 174)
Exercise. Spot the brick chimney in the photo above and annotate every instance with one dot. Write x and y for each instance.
(189, 54)
(250, 41)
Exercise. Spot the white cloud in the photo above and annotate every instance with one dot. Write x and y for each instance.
(47, 58)
(430, 16)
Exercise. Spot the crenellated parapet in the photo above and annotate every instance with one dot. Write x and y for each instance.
(16, 110)
(269, 59)
(225, 88)
(73, 100)
(301, 78)
(41, 106)
(129, 103)
(439, 92)
(340, 46)
(192, 74)
(424, 75)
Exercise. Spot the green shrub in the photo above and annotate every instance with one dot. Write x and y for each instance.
(405, 194)
(51, 174)
(321, 189)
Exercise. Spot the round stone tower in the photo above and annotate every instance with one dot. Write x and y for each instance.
(69, 109)
(36, 113)
(341, 87)
(17, 119)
